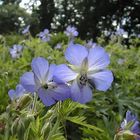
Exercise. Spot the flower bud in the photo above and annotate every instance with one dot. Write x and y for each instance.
(24, 101)
(125, 135)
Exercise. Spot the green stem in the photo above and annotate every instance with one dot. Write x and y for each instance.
(65, 130)
(61, 118)
(34, 102)
(7, 127)
(115, 137)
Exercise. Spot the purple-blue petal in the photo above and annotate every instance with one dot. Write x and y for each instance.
(64, 74)
(97, 59)
(51, 72)
(28, 82)
(101, 80)
(46, 31)
(11, 94)
(138, 137)
(20, 90)
(40, 68)
(75, 91)
(75, 54)
(17, 93)
(41, 34)
(80, 94)
(71, 31)
(45, 38)
(26, 30)
(61, 92)
(136, 127)
(130, 116)
(75, 33)
(86, 94)
(46, 97)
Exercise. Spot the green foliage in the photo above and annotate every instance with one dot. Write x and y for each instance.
(97, 120)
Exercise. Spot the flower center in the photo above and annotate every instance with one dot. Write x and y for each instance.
(49, 85)
(45, 86)
(83, 79)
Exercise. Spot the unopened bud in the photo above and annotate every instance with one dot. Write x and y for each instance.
(24, 101)
(125, 135)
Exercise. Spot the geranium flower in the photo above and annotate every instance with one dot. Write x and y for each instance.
(16, 51)
(15, 94)
(44, 36)
(87, 69)
(40, 80)
(135, 127)
(71, 31)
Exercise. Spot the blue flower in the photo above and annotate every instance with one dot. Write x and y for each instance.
(15, 94)
(129, 117)
(87, 69)
(26, 30)
(40, 80)
(44, 36)
(135, 128)
(71, 32)
(16, 51)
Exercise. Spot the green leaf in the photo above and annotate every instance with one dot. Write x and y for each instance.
(81, 121)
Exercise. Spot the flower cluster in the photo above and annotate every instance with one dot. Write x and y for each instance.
(133, 123)
(87, 70)
(71, 32)
(44, 36)
(16, 51)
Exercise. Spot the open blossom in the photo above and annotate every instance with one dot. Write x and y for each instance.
(71, 32)
(40, 80)
(26, 30)
(87, 69)
(16, 51)
(135, 127)
(45, 35)
(19, 92)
